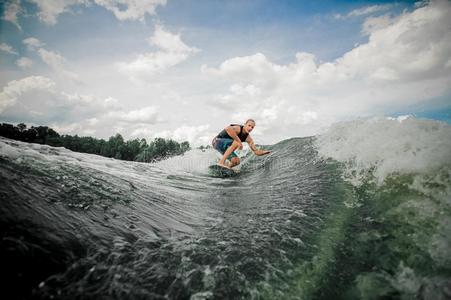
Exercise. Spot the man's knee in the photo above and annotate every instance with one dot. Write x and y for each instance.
(235, 144)
(235, 161)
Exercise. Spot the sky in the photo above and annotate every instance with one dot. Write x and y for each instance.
(185, 69)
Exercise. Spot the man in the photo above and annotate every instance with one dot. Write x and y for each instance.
(231, 138)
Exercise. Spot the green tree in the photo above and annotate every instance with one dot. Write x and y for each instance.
(21, 127)
(115, 144)
(137, 149)
(184, 146)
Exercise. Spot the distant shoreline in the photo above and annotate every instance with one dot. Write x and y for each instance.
(115, 147)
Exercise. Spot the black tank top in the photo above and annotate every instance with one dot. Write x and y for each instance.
(242, 135)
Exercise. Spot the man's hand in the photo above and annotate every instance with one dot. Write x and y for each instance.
(240, 145)
(262, 152)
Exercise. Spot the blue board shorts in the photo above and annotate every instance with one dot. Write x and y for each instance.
(222, 145)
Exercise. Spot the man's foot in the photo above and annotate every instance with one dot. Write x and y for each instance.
(224, 166)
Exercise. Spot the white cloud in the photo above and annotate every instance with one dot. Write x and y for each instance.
(71, 128)
(49, 10)
(173, 51)
(266, 113)
(94, 112)
(412, 47)
(404, 62)
(24, 63)
(33, 43)
(131, 9)
(8, 49)
(249, 89)
(88, 132)
(68, 112)
(90, 108)
(93, 121)
(270, 114)
(112, 103)
(369, 10)
(56, 62)
(195, 135)
(12, 9)
(142, 132)
(53, 59)
(243, 67)
(81, 100)
(373, 24)
(191, 133)
(150, 63)
(307, 117)
(39, 100)
(16, 88)
(147, 115)
(169, 42)
(363, 11)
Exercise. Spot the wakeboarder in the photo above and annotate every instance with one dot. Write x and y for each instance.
(230, 139)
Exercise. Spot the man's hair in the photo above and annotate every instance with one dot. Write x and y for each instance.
(249, 120)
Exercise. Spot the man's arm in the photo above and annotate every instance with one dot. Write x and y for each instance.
(254, 149)
(232, 132)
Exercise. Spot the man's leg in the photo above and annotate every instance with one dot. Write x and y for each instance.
(227, 153)
(235, 161)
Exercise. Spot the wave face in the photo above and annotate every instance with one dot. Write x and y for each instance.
(360, 212)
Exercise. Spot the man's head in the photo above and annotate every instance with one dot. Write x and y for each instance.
(249, 125)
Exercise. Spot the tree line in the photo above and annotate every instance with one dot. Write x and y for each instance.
(115, 147)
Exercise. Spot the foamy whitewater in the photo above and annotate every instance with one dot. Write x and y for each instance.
(401, 146)
(361, 212)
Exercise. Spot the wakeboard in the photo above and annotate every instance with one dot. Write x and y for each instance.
(219, 171)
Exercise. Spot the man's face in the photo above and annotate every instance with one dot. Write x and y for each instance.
(249, 126)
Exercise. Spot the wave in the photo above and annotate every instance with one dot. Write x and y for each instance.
(388, 146)
(360, 212)
(400, 170)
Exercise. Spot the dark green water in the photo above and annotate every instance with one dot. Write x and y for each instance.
(291, 225)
